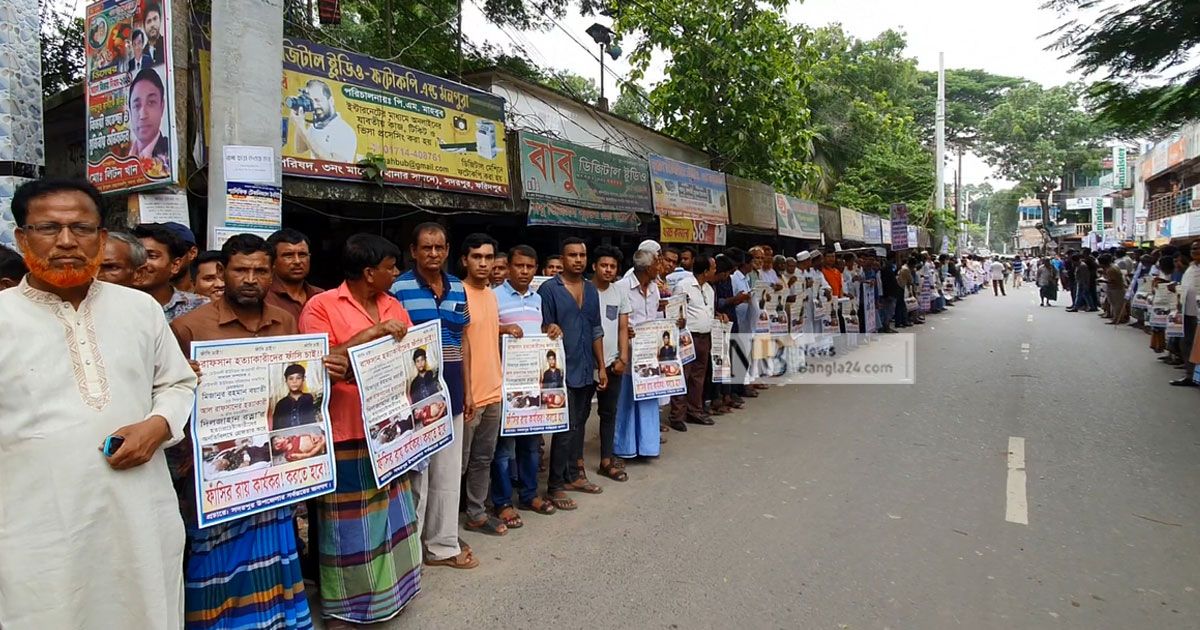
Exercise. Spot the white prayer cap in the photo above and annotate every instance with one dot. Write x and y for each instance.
(649, 245)
(803, 256)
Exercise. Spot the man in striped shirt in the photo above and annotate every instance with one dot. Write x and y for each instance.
(428, 293)
(521, 307)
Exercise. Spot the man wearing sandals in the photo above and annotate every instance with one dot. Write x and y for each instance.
(572, 304)
(519, 308)
(614, 318)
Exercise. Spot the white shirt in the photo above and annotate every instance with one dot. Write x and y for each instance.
(72, 377)
(701, 304)
(1187, 286)
(675, 276)
(334, 142)
(614, 302)
(997, 270)
(642, 308)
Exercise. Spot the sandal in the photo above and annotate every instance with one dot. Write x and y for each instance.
(587, 487)
(541, 505)
(562, 501)
(464, 560)
(491, 526)
(613, 471)
(511, 518)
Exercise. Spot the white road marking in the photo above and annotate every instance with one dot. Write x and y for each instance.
(1016, 507)
(1029, 318)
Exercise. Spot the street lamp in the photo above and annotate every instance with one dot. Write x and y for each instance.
(604, 36)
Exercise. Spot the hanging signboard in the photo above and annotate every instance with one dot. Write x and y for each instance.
(885, 229)
(688, 191)
(852, 225)
(339, 107)
(677, 230)
(541, 213)
(798, 218)
(900, 227)
(872, 232)
(557, 170)
(129, 96)
(750, 203)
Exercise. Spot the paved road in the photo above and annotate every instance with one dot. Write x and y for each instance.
(885, 506)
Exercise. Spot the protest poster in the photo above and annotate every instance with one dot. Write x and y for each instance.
(657, 371)
(722, 366)
(798, 314)
(676, 310)
(899, 227)
(870, 314)
(924, 292)
(405, 402)
(129, 95)
(535, 392)
(1161, 306)
(260, 425)
(1175, 318)
(777, 311)
(339, 107)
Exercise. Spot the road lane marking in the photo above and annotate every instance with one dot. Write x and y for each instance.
(1029, 318)
(1016, 506)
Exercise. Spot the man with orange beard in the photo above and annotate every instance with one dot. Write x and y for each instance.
(94, 388)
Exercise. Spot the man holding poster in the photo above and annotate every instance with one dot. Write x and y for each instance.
(370, 558)
(637, 433)
(253, 557)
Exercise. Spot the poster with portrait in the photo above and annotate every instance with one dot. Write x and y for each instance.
(1175, 317)
(260, 425)
(1161, 306)
(870, 313)
(777, 311)
(405, 402)
(657, 370)
(722, 365)
(676, 310)
(759, 308)
(129, 95)
(535, 389)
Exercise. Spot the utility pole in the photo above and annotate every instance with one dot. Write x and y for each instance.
(247, 63)
(959, 207)
(940, 133)
(24, 158)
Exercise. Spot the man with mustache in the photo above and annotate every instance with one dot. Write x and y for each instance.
(83, 361)
(262, 544)
(293, 260)
(124, 256)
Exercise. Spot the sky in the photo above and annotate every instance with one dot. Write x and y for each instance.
(1000, 36)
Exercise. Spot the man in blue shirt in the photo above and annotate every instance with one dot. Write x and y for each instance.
(427, 292)
(572, 305)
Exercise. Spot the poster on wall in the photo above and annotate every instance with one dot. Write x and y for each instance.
(687, 191)
(338, 108)
(260, 425)
(129, 96)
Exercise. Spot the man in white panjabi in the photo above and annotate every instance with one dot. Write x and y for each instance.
(86, 540)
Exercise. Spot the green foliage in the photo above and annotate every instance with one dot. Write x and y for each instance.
(1002, 208)
(634, 104)
(892, 167)
(62, 48)
(1155, 40)
(374, 166)
(735, 83)
(1034, 135)
(970, 96)
(582, 88)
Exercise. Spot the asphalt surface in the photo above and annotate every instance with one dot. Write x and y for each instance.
(885, 506)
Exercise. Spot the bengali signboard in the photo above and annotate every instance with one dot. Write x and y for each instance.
(338, 107)
(900, 227)
(260, 425)
(682, 230)
(535, 392)
(129, 96)
(687, 191)
(798, 218)
(657, 371)
(872, 230)
(405, 402)
(852, 225)
(542, 213)
(885, 227)
(750, 203)
(557, 170)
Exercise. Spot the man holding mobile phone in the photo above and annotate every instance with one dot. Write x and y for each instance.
(83, 360)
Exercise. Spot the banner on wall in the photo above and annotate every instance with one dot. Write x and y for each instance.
(872, 232)
(541, 213)
(750, 203)
(688, 191)
(565, 172)
(338, 107)
(852, 225)
(129, 96)
(885, 229)
(798, 218)
(679, 230)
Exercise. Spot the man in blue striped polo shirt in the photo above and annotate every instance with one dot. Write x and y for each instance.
(521, 307)
(427, 292)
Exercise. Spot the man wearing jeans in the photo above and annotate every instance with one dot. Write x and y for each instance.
(614, 318)
(427, 292)
(571, 304)
(481, 357)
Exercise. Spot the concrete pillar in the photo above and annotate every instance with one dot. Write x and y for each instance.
(22, 147)
(247, 71)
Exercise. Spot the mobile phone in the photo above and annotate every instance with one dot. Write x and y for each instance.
(111, 444)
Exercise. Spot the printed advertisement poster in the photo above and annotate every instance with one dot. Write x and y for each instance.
(338, 107)
(129, 95)
(722, 366)
(675, 310)
(900, 227)
(253, 205)
(657, 370)
(852, 225)
(679, 230)
(687, 191)
(798, 218)
(535, 392)
(557, 170)
(260, 425)
(405, 402)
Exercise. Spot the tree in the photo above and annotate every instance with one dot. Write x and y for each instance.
(1146, 53)
(582, 88)
(62, 48)
(892, 167)
(970, 96)
(1001, 209)
(634, 104)
(1035, 135)
(734, 83)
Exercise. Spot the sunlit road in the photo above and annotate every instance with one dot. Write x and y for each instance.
(886, 506)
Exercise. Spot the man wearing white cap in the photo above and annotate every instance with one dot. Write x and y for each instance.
(647, 245)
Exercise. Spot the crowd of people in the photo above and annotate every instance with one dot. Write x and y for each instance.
(99, 325)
